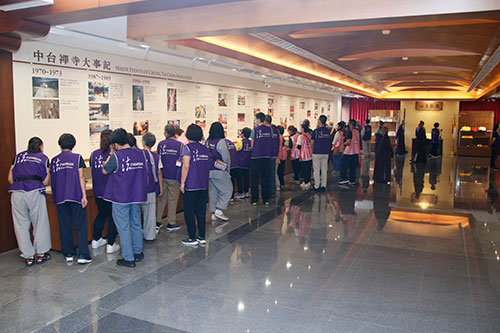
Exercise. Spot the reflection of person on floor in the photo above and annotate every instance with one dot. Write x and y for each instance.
(347, 199)
(398, 171)
(400, 139)
(492, 194)
(383, 158)
(418, 179)
(317, 236)
(435, 171)
(381, 196)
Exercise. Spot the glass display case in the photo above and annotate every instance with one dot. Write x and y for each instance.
(474, 133)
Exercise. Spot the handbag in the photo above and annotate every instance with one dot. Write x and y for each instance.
(218, 163)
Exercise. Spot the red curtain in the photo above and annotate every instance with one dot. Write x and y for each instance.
(487, 105)
(360, 107)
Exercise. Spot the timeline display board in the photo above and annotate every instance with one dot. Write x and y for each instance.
(63, 90)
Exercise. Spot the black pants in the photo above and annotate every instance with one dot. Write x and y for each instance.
(434, 149)
(68, 212)
(272, 176)
(234, 177)
(195, 210)
(349, 163)
(281, 172)
(242, 180)
(494, 156)
(305, 171)
(296, 169)
(261, 174)
(104, 212)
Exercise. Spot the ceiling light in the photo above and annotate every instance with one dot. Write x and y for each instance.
(386, 32)
(146, 46)
(200, 58)
(263, 75)
(415, 73)
(234, 69)
(404, 58)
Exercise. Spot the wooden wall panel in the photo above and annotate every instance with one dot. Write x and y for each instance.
(7, 150)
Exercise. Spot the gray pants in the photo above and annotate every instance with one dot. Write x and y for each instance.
(171, 195)
(31, 208)
(220, 191)
(149, 217)
(320, 170)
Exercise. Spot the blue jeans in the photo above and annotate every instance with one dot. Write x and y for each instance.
(127, 219)
(336, 161)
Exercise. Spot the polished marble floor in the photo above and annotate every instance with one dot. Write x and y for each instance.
(418, 255)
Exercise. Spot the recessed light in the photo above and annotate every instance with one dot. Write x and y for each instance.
(234, 69)
(421, 81)
(386, 32)
(145, 46)
(263, 76)
(404, 58)
(200, 58)
(415, 73)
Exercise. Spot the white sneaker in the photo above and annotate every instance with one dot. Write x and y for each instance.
(98, 243)
(278, 188)
(214, 218)
(84, 261)
(219, 214)
(306, 186)
(69, 259)
(247, 195)
(112, 248)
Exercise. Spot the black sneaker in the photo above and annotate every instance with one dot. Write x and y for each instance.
(322, 189)
(125, 263)
(149, 241)
(190, 241)
(30, 261)
(158, 226)
(173, 227)
(41, 258)
(201, 240)
(138, 257)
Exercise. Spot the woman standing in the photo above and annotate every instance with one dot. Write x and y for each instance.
(28, 176)
(220, 188)
(338, 147)
(104, 208)
(400, 140)
(280, 160)
(304, 145)
(293, 136)
(383, 156)
(196, 162)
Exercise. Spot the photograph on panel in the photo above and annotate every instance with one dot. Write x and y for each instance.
(98, 111)
(138, 98)
(200, 111)
(46, 109)
(96, 127)
(176, 122)
(171, 99)
(140, 127)
(241, 100)
(222, 98)
(98, 91)
(45, 87)
(202, 124)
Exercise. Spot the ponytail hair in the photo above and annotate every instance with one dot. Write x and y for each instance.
(105, 140)
(34, 145)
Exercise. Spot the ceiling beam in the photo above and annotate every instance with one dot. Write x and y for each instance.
(407, 52)
(271, 15)
(493, 61)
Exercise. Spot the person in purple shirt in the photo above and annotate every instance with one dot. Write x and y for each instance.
(261, 154)
(154, 188)
(127, 190)
(244, 152)
(170, 151)
(70, 195)
(275, 146)
(435, 141)
(99, 181)
(28, 176)
(322, 144)
(196, 163)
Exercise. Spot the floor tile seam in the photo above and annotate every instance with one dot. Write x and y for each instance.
(368, 323)
(84, 325)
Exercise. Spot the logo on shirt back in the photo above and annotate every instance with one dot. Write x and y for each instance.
(24, 157)
(197, 156)
(57, 165)
(98, 162)
(129, 166)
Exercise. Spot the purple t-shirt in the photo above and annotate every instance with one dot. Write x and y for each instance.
(322, 140)
(245, 154)
(170, 152)
(99, 180)
(199, 166)
(65, 180)
(29, 165)
(233, 154)
(262, 142)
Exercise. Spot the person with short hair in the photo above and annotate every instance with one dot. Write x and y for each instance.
(366, 136)
(261, 153)
(220, 187)
(350, 157)
(338, 147)
(293, 136)
(196, 164)
(304, 144)
(154, 188)
(435, 133)
(322, 143)
(132, 141)
(421, 144)
(383, 158)
(378, 136)
(70, 195)
(28, 176)
(244, 153)
(127, 190)
(170, 151)
(104, 210)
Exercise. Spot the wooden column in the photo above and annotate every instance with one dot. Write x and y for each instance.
(7, 150)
